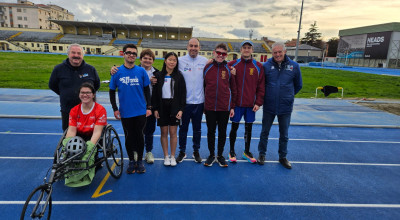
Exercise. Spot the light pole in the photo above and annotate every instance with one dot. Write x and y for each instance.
(298, 32)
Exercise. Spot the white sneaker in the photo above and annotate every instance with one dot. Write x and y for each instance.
(167, 161)
(149, 157)
(173, 161)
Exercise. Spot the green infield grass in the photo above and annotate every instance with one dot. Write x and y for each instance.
(32, 71)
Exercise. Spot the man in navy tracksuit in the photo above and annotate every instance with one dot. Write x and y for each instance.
(68, 76)
(282, 82)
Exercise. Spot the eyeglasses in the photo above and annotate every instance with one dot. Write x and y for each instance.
(131, 53)
(85, 93)
(219, 53)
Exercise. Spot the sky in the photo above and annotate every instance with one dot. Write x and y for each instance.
(235, 19)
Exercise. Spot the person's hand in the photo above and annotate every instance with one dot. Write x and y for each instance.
(153, 80)
(233, 71)
(148, 112)
(117, 115)
(65, 141)
(256, 108)
(113, 70)
(179, 115)
(156, 115)
(232, 113)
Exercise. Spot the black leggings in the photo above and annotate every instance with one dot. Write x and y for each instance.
(213, 119)
(134, 139)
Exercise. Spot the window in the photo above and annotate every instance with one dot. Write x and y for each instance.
(184, 53)
(209, 54)
(25, 18)
(160, 35)
(38, 45)
(173, 36)
(19, 10)
(60, 48)
(33, 45)
(55, 48)
(26, 26)
(179, 54)
(147, 35)
(156, 52)
(254, 55)
(19, 18)
(24, 10)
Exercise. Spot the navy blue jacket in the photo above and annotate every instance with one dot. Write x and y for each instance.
(65, 80)
(282, 83)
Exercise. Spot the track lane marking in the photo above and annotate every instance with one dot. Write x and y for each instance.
(97, 193)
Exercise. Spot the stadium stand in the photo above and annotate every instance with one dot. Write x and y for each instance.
(4, 35)
(83, 39)
(30, 36)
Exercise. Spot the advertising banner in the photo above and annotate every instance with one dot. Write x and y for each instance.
(377, 45)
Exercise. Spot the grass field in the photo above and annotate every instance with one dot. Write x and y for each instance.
(32, 71)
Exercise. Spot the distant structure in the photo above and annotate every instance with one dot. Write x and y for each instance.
(370, 46)
(25, 14)
(109, 38)
(306, 53)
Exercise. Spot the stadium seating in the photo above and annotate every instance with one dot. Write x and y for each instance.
(30, 36)
(6, 34)
(83, 39)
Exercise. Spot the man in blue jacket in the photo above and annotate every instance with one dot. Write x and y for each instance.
(282, 82)
(68, 76)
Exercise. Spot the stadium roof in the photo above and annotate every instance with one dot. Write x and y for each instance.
(394, 26)
(123, 26)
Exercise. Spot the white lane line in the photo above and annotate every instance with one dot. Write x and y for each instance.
(344, 205)
(253, 138)
(239, 161)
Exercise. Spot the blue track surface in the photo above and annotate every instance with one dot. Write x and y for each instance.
(338, 172)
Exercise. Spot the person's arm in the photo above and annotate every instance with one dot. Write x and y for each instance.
(98, 130)
(114, 104)
(260, 92)
(298, 81)
(96, 80)
(53, 82)
(146, 91)
(71, 131)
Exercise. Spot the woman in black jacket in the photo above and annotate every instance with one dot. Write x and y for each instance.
(169, 100)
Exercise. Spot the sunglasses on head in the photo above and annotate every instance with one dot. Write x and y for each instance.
(131, 53)
(221, 53)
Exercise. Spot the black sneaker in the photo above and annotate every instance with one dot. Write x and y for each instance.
(197, 157)
(261, 159)
(221, 161)
(180, 157)
(131, 167)
(210, 160)
(140, 167)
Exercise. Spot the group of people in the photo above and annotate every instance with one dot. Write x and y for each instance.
(186, 88)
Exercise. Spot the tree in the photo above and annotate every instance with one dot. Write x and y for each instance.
(332, 46)
(312, 37)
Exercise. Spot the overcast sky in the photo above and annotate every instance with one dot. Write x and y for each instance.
(277, 20)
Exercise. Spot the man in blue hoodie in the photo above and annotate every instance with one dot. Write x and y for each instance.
(282, 82)
(68, 76)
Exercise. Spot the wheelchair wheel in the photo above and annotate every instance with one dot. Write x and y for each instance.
(112, 150)
(36, 206)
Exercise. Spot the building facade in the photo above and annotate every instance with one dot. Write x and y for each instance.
(25, 14)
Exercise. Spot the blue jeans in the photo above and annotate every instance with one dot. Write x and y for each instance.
(192, 112)
(284, 122)
(148, 132)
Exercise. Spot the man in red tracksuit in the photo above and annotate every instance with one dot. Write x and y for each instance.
(219, 93)
(250, 87)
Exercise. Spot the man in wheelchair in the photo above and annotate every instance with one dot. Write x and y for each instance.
(86, 123)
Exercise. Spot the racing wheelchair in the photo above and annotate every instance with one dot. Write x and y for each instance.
(108, 149)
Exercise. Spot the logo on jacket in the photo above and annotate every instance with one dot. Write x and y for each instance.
(251, 71)
(223, 74)
(272, 67)
(289, 67)
(84, 75)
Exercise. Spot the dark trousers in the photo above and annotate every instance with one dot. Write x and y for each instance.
(148, 132)
(214, 118)
(65, 119)
(192, 112)
(134, 140)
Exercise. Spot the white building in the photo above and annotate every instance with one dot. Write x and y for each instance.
(25, 14)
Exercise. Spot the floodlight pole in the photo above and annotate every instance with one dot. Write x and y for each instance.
(298, 32)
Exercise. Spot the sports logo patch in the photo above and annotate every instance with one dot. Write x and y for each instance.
(289, 67)
(223, 74)
(251, 71)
